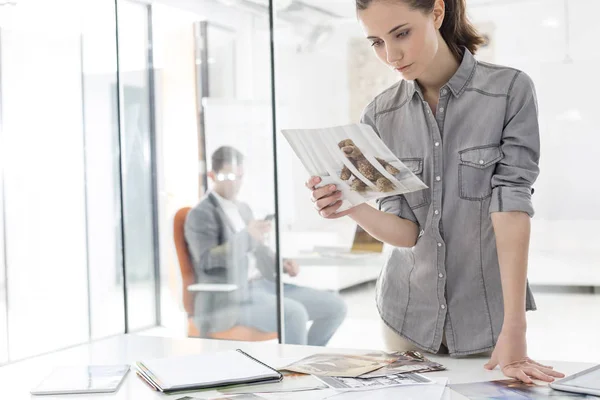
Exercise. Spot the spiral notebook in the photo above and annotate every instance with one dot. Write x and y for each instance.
(204, 371)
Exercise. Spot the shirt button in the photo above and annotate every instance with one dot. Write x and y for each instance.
(443, 306)
(436, 212)
(481, 162)
(438, 178)
(441, 275)
(439, 245)
(444, 91)
(441, 109)
(437, 144)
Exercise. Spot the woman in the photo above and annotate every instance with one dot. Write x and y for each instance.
(456, 279)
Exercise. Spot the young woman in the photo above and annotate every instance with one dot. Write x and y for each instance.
(456, 279)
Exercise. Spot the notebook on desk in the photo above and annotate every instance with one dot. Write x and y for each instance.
(204, 371)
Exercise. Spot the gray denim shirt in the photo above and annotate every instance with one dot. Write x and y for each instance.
(478, 154)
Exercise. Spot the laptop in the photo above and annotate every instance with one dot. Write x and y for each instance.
(362, 244)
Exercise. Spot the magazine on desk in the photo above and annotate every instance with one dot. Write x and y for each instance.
(355, 159)
(378, 382)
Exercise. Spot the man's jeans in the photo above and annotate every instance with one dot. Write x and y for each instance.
(326, 309)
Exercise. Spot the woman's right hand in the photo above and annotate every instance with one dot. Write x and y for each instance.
(327, 199)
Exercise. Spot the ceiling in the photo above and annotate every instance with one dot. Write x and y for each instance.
(345, 8)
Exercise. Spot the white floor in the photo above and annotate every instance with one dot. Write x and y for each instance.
(566, 326)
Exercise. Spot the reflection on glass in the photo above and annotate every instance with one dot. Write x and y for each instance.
(177, 147)
(221, 61)
(3, 310)
(102, 173)
(314, 89)
(137, 164)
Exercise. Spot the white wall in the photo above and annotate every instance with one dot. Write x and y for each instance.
(561, 55)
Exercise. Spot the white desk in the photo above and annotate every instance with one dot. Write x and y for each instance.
(331, 272)
(18, 378)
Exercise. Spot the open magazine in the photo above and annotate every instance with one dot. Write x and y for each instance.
(355, 159)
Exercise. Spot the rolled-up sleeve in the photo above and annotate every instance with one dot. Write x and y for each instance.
(519, 168)
(393, 204)
(399, 206)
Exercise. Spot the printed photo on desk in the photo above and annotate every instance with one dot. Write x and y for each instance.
(367, 365)
(380, 382)
(404, 362)
(355, 159)
(345, 365)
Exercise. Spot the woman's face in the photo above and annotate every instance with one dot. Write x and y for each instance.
(404, 39)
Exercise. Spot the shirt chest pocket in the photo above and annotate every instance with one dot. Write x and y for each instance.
(475, 170)
(419, 198)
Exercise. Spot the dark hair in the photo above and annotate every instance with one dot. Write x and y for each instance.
(226, 155)
(456, 29)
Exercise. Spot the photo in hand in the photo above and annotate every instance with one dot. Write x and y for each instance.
(355, 159)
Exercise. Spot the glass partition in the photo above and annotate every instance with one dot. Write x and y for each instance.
(3, 287)
(216, 158)
(103, 191)
(44, 179)
(136, 118)
(71, 131)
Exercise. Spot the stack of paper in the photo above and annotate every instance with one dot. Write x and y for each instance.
(369, 365)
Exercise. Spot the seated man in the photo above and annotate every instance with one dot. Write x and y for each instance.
(227, 245)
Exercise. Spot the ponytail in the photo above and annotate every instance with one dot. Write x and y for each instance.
(457, 30)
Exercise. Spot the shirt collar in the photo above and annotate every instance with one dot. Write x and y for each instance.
(458, 83)
(223, 201)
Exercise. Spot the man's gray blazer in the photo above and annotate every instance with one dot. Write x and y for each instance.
(219, 254)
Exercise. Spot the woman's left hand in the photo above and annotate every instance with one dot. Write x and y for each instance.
(511, 355)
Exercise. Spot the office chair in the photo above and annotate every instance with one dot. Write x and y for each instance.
(238, 332)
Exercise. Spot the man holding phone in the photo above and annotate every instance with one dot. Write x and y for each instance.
(227, 245)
